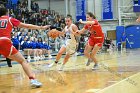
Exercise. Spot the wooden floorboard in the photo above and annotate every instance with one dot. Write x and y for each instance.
(76, 77)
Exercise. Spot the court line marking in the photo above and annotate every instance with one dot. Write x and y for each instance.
(101, 91)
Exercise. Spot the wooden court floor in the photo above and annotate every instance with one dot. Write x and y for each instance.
(119, 73)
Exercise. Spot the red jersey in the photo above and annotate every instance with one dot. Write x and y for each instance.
(95, 29)
(6, 25)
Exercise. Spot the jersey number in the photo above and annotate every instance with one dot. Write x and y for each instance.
(3, 24)
(68, 36)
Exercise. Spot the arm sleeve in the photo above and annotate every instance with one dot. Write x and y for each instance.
(15, 22)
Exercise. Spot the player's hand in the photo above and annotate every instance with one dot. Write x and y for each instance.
(77, 33)
(80, 20)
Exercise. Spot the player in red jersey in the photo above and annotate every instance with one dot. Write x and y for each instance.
(96, 38)
(6, 47)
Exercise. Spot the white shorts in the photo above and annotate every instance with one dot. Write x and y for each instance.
(71, 46)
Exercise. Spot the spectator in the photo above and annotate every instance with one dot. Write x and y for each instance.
(107, 43)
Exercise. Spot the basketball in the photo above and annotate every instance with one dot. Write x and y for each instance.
(53, 33)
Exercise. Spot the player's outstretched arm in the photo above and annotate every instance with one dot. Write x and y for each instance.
(80, 31)
(87, 22)
(30, 26)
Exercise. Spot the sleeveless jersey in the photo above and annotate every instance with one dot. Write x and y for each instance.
(6, 25)
(68, 33)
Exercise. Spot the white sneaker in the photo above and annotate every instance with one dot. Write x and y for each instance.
(50, 56)
(41, 57)
(28, 59)
(35, 58)
(35, 84)
(76, 54)
(38, 58)
(52, 64)
(61, 68)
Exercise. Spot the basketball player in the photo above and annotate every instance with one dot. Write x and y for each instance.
(70, 44)
(6, 47)
(95, 40)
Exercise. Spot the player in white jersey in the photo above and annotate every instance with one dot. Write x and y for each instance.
(70, 44)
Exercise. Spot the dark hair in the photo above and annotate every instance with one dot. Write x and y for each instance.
(40, 39)
(3, 10)
(69, 16)
(91, 15)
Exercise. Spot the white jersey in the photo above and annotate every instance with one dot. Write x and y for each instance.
(68, 32)
(70, 40)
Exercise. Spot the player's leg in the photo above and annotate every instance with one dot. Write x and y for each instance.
(61, 51)
(64, 61)
(58, 56)
(20, 59)
(93, 55)
(87, 51)
(71, 49)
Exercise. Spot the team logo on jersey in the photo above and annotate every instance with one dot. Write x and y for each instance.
(3, 24)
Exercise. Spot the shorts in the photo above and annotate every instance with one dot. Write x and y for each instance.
(96, 41)
(6, 47)
(71, 46)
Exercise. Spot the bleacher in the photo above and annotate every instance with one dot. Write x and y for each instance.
(38, 17)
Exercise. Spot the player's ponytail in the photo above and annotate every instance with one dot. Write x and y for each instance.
(91, 15)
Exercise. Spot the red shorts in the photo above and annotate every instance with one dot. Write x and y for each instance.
(6, 47)
(94, 41)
